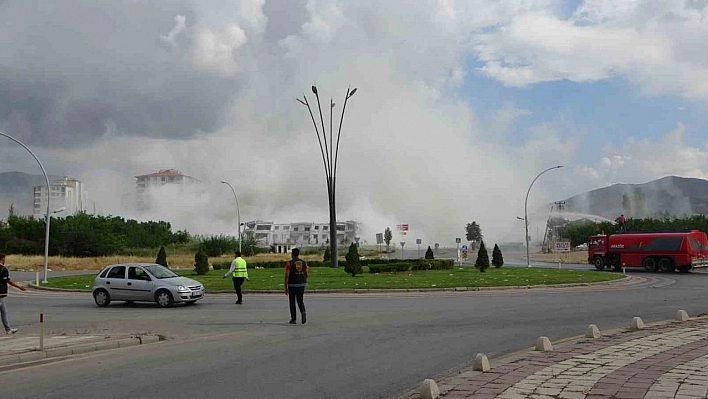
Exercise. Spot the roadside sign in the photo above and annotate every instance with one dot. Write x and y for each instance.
(403, 243)
(379, 238)
(402, 228)
(418, 241)
(464, 254)
(563, 246)
(458, 240)
(464, 247)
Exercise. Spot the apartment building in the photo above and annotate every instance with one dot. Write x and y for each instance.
(284, 236)
(145, 184)
(68, 193)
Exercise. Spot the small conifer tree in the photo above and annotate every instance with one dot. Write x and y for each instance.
(327, 257)
(162, 257)
(353, 263)
(497, 257)
(482, 262)
(429, 253)
(201, 263)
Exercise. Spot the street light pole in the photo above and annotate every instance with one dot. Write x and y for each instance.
(526, 214)
(330, 156)
(46, 216)
(238, 214)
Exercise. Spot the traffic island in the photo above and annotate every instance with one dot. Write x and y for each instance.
(17, 352)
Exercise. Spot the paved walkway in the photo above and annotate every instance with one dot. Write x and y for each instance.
(663, 361)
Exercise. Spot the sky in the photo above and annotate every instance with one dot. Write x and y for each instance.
(459, 104)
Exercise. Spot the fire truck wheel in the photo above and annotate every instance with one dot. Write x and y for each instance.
(649, 264)
(599, 263)
(666, 265)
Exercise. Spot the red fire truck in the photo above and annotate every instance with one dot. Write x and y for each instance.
(654, 251)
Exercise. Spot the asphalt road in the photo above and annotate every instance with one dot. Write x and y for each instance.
(353, 346)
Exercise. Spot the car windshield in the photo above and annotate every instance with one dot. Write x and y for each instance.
(160, 272)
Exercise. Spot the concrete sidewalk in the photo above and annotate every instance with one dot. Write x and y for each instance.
(667, 360)
(20, 350)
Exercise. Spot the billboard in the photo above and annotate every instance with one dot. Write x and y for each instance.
(402, 228)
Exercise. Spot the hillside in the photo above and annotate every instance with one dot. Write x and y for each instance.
(672, 195)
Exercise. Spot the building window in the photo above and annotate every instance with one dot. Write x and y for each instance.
(307, 229)
(286, 227)
(295, 228)
(263, 227)
(325, 228)
(317, 227)
(277, 227)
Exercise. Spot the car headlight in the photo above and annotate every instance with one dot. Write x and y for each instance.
(182, 288)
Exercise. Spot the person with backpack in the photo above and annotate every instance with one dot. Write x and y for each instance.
(295, 282)
(4, 282)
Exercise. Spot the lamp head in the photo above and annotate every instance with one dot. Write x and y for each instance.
(351, 93)
(314, 89)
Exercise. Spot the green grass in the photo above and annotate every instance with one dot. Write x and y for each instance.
(328, 278)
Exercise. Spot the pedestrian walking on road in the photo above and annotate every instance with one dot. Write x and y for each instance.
(239, 274)
(4, 281)
(295, 282)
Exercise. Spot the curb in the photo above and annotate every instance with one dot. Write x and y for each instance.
(381, 290)
(512, 355)
(35, 356)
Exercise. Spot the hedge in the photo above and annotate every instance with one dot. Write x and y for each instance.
(418, 264)
(225, 265)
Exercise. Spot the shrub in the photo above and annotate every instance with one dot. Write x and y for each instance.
(497, 257)
(161, 257)
(201, 263)
(353, 263)
(433, 264)
(390, 267)
(327, 257)
(429, 253)
(218, 245)
(22, 247)
(482, 262)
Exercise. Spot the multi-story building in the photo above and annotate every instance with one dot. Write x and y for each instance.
(164, 177)
(67, 193)
(284, 236)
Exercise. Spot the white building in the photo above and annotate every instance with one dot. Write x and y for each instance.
(68, 193)
(164, 177)
(282, 237)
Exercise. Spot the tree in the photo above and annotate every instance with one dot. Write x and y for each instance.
(497, 257)
(353, 263)
(482, 262)
(327, 257)
(387, 238)
(429, 253)
(162, 257)
(201, 263)
(473, 232)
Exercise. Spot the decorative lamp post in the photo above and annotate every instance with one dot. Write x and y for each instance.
(330, 155)
(526, 215)
(238, 214)
(46, 216)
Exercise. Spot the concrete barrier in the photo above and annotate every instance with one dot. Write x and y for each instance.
(149, 339)
(481, 363)
(543, 344)
(636, 324)
(592, 331)
(681, 315)
(429, 390)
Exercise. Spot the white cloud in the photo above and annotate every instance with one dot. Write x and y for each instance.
(657, 45)
(171, 36)
(215, 49)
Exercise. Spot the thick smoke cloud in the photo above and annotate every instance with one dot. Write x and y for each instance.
(105, 91)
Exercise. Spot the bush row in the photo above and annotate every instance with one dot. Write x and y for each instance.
(225, 265)
(418, 264)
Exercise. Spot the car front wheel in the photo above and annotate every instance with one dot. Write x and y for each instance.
(164, 298)
(102, 298)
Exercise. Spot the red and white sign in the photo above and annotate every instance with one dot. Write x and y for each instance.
(402, 228)
(563, 246)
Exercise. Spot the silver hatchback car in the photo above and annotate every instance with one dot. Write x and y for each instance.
(144, 282)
